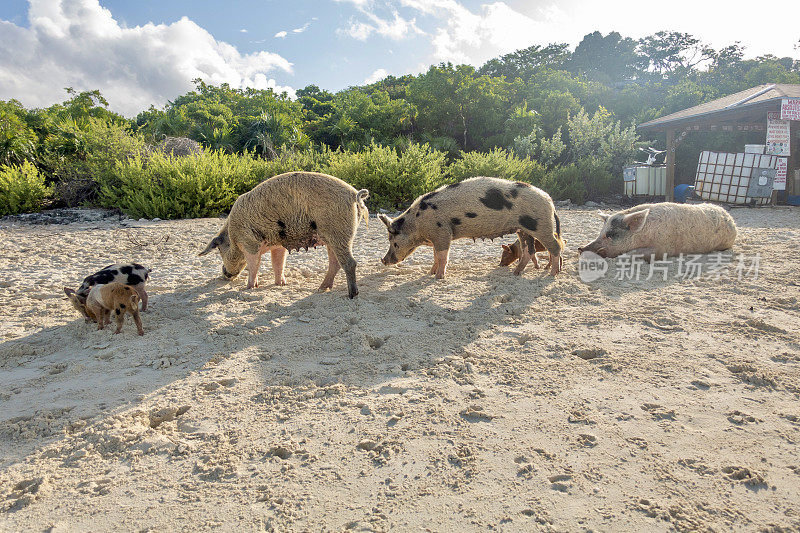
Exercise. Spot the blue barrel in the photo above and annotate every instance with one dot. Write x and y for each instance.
(682, 192)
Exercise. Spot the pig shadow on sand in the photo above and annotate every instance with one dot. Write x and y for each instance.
(72, 373)
(402, 321)
(392, 326)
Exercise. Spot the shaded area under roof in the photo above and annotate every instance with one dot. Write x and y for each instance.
(738, 106)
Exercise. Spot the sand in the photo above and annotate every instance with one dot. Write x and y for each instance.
(481, 401)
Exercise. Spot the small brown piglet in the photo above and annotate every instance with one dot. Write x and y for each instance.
(512, 252)
(117, 298)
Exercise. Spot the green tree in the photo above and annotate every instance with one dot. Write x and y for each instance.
(671, 53)
(608, 59)
(459, 103)
(526, 62)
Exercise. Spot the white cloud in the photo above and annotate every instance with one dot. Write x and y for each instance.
(378, 75)
(397, 28)
(77, 43)
(243, 30)
(302, 28)
(359, 3)
(500, 27)
(474, 37)
(283, 33)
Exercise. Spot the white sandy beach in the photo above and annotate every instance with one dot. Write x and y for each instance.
(481, 401)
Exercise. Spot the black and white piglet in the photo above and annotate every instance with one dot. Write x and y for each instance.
(132, 274)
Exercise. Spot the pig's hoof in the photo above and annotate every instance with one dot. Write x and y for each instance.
(141, 333)
(281, 282)
(116, 332)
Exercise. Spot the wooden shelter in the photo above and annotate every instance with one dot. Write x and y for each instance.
(743, 111)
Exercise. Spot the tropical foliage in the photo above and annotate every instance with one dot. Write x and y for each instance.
(559, 118)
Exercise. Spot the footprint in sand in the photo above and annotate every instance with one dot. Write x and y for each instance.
(587, 354)
(26, 492)
(98, 487)
(744, 475)
(560, 482)
(658, 412)
(739, 418)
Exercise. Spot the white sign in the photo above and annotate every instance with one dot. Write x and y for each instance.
(790, 109)
(778, 135)
(779, 183)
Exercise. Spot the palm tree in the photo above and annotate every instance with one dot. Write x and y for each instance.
(17, 143)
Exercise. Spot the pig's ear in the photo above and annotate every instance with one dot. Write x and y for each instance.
(506, 247)
(635, 221)
(386, 220)
(215, 242)
(604, 216)
(68, 291)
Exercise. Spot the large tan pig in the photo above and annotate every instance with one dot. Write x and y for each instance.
(292, 211)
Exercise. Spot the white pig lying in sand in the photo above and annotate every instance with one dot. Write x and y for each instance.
(292, 211)
(665, 228)
(476, 208)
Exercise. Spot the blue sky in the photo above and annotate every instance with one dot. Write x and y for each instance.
(144, 51)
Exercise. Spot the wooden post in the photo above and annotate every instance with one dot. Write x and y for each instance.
(670, 186)
(794, 157)
(791, 163)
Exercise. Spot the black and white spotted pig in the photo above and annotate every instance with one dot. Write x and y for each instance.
(475, 208)
(132, 274)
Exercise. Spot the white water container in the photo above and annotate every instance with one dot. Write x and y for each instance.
(647, 181)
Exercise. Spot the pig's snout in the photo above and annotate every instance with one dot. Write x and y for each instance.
(594, 247)
(389, 259)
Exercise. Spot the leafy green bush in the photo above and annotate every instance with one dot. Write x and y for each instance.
(309, 160)
(601, 138)
(207, 183)
(578, 182)
(392, 179)
(166, 187)
(497, 163)
(22, 189)
(82, 153)
(536, 146)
